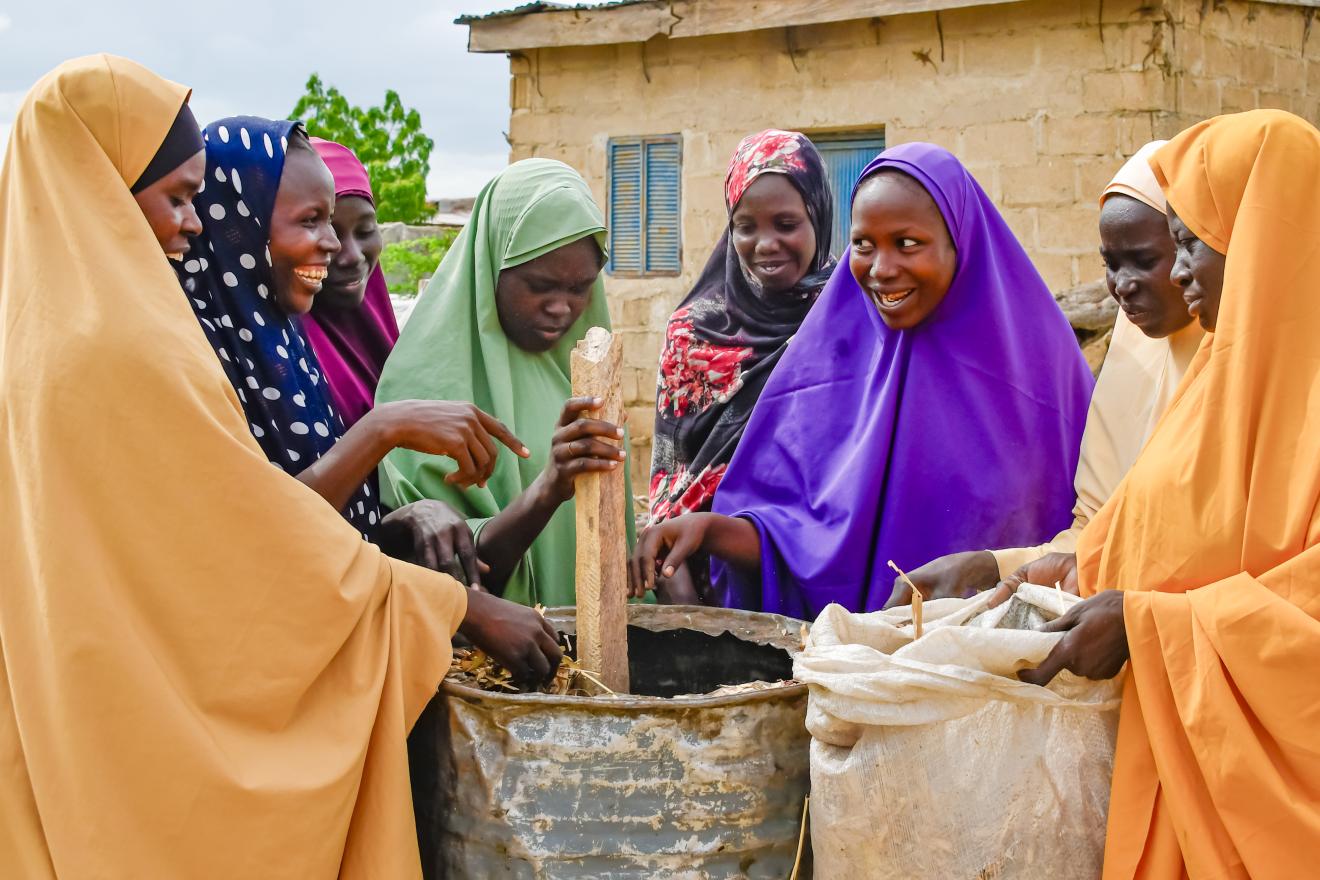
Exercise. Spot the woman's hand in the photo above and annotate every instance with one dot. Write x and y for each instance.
(432, 534)
(1050, 569)
(681, 589)
(951, 576)
(1094, 645)
(516, 637)
(450, 428)
(580, 446)
(664, 547)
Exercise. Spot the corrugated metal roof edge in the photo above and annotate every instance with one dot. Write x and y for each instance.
(530, 8)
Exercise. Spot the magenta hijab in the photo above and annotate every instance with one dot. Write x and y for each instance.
(352, 345)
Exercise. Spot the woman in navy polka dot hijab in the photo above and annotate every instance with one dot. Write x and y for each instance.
(235, 289)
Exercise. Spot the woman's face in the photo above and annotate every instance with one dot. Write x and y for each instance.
(772, 233)
(541, 299)
(302, 239)
(360, 244)
(1199, 270)
(168, 205)
(902, 254)
(1138, 253)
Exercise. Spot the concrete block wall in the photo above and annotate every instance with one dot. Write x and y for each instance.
(1042, 100)
(1230, 57)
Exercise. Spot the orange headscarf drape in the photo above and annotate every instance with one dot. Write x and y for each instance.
(1214, 535)
(204, 671)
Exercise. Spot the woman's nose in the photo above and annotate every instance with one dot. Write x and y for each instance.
(1181, 274)
(349, 253)
(881, 267)
(1125, 284)
(330, 242)
(191, 224)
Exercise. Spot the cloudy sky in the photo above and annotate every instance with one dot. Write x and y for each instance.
(254, 56)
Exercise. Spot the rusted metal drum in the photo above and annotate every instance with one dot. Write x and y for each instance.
(644, 786)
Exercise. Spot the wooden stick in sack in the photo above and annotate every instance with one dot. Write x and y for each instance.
(917, 599)
(602, 544)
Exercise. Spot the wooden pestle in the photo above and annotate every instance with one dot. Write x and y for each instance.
(602, 543)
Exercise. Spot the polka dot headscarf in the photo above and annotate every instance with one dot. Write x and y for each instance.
(228, 279)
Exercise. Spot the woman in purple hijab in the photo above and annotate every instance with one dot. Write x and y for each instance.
(935, 378)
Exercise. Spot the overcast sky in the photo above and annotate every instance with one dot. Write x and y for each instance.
(254, 56)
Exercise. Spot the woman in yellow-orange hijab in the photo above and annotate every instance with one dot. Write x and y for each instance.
(1213, 539)
(204, 671)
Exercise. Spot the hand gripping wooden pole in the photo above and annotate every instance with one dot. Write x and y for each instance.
(602, 504)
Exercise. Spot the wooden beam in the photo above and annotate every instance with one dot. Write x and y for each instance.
(639, 22)
(601, 502)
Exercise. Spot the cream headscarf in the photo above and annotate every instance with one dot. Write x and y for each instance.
(205, 671)
(1135, 179)
(1140, 374)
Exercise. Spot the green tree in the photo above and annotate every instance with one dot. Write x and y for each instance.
(388, 139)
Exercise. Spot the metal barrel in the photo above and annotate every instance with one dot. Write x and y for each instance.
(650, 785)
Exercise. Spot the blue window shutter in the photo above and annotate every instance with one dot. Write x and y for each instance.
(663, 184)
(845, 158)
(645, 215)
(625, 207)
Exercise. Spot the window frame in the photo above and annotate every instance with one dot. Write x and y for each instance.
(872, 136)
(642, 142)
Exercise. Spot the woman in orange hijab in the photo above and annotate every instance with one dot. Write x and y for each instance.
(1204, 568)
(204, 671)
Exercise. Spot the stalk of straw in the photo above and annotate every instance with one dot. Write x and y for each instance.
(916, 600)
(802, 839)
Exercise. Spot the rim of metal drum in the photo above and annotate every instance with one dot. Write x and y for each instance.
(753, 626)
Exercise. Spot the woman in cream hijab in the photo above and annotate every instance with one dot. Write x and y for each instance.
(204, 672)
(1153, 343)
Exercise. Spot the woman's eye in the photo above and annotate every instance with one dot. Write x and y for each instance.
(907, 242)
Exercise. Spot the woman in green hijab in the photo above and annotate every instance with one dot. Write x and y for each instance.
(517, 290)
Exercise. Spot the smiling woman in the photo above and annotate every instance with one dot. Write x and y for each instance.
(934, 357)
(217, 676)
(261, 261)
(724, 339)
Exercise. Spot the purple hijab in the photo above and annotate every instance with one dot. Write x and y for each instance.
(870, 444)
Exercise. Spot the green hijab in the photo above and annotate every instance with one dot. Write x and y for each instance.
(453, 348)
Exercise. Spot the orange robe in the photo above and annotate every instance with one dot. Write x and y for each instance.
(1213, 535)
(204, 671)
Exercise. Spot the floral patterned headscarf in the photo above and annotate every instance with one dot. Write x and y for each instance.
(726, 336)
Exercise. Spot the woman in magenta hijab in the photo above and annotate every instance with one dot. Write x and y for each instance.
(352, 330)
(934, 378)
(351, 325)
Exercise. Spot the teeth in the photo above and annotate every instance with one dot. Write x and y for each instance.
(176, 257)
(311, 274)
(895, 297)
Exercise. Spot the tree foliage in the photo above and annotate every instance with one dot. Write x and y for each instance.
(407, 263)
(388, 139)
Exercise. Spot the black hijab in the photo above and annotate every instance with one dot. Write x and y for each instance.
(726, 336)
